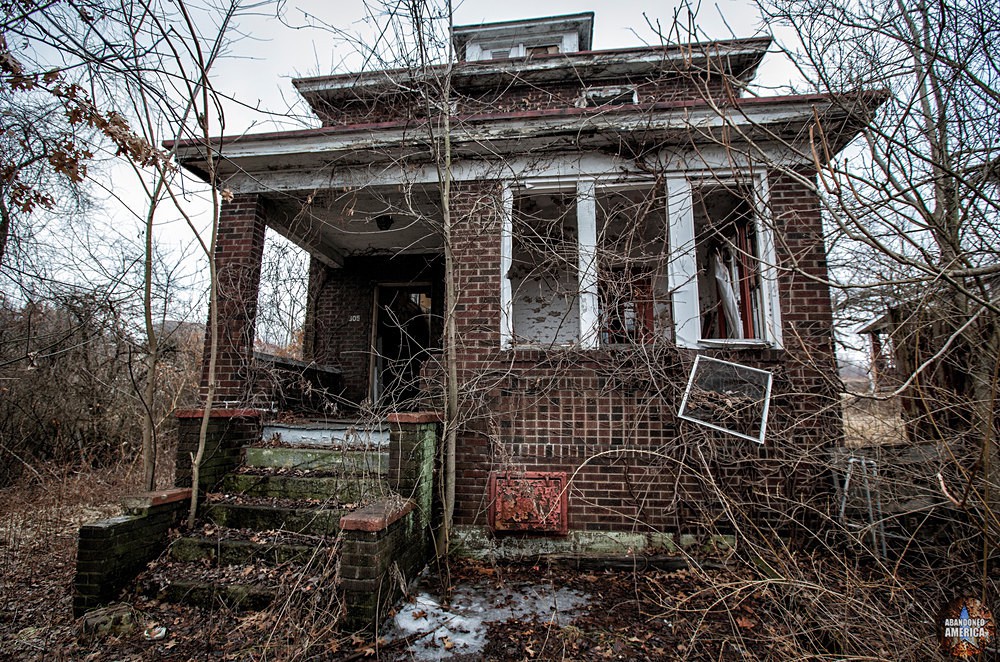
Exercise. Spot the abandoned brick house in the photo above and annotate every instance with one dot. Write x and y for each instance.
(614, 214)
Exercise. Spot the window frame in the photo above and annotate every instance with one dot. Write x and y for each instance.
(682, 268)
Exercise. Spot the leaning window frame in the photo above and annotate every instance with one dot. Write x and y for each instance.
(683, 269)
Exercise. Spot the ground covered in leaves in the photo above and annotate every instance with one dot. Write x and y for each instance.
(723, 607)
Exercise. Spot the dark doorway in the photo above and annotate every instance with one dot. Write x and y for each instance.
(404, 333)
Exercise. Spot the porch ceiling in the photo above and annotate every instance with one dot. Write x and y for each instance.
(333, 225)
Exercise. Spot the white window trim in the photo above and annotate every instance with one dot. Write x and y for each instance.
(682, 268)
(682, 265)
(586, 228)
(506, 259)
(586, 218)
(568, 42)
(768, 261)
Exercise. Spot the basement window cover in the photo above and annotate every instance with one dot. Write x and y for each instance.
(528, 502)
(727, 397)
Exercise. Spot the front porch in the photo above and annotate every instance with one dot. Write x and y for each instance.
(374, 309)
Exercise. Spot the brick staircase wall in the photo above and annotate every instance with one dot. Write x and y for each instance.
(113, 551)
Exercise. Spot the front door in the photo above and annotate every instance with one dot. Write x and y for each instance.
(403, 333)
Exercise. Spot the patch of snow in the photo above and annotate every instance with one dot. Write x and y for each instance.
(460, 629)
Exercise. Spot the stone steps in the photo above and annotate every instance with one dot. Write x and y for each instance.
(348, 488)
(239, 587)
(223, 551)
(208, 595)
(271, 527)
(328, 433)
(259, 516)
(367, 460)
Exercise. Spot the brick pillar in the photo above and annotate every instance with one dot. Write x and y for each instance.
(229, 430)
(238, 252)
(413, 441)
(812, 404)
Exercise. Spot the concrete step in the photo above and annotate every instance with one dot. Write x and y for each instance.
(238, 587)
(237, 597)
(338, 459)
(329, 433)
(344, 488)
(317, 521)
(233, 551)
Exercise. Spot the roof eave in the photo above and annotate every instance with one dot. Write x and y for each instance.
(842, 123)
(746, 54)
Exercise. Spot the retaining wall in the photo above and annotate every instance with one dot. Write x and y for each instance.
(112, 552)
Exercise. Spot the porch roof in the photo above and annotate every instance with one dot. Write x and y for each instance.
(643, 127)
(737, 58)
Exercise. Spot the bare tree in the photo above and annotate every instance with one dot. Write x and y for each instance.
(915, 204)
(128, 76)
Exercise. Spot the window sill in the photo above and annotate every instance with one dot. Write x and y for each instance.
(732, 343)
(528, 347)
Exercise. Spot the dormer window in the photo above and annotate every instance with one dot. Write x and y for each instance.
(551, 49)
(524, 39)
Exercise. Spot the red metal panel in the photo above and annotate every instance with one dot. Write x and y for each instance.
(529, 501)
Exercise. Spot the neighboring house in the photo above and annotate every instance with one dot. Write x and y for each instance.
(921, 348)
(614, 214)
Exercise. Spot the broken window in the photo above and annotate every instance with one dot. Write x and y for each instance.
(609, 96)
(550, 49)
(631, 249)
(592, 265)
(730, 288)
(544, 269)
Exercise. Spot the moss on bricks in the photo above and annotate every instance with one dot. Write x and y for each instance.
(346, 488)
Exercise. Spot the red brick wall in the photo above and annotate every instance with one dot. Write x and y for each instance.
(238, 250)
(608, 417)
(391, 105)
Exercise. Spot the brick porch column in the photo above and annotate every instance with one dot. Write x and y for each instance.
(238, 252)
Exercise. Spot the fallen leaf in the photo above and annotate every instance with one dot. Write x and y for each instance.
(420, 613)
(745, 622)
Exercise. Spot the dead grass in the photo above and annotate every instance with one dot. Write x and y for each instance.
(39, 519)
(869, 422)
